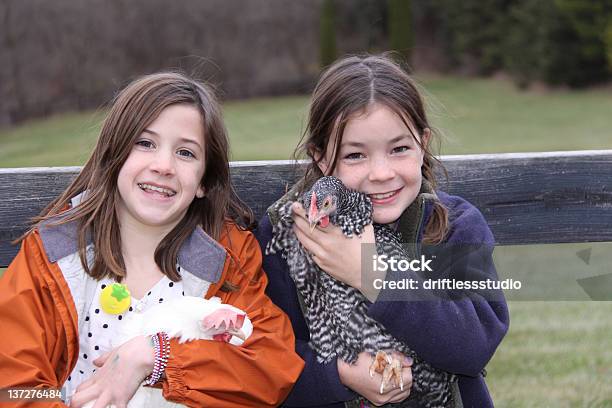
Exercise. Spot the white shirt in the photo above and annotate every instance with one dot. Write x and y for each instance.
(99, 327)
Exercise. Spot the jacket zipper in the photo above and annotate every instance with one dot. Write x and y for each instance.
(417, 242)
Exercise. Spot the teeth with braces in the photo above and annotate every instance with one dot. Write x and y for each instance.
(382, 196)
(162, 190)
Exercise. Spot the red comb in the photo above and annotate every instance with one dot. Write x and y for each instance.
(312, 211)
(223, 318)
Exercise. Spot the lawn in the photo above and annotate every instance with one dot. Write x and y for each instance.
(556, 354)
(473, 116)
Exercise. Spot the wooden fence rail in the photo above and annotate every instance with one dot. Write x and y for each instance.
(549, 197)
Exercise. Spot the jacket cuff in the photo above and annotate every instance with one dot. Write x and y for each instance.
(341, 392)
(174, 383)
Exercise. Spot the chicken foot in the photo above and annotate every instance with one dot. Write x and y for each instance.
(391, 369)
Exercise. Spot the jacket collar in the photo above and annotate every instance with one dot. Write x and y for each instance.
(292, 195)
(200, 254)
(411, 222)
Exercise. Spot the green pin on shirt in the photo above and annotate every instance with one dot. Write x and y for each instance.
(115, 299)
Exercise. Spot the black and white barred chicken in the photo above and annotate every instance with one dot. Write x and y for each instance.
(336, 313)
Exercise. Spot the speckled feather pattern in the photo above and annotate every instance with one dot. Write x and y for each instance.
(336, 313)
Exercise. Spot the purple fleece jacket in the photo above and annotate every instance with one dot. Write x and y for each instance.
(458, 336)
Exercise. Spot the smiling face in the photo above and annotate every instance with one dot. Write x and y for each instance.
(163, 173)
(379, 156)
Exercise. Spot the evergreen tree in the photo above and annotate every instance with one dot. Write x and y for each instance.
(327, 36)
(400, 28)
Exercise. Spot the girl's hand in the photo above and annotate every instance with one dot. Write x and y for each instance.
(119, 376)
(334, 252)
(357, 378)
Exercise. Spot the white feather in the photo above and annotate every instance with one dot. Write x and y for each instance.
(180, 318)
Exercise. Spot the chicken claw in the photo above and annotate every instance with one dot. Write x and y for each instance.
(393, 372)
(390, 368)
(378, 363)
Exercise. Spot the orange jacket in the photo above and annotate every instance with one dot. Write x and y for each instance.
(39, 343)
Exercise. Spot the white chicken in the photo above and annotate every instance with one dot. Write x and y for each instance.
(185, 318)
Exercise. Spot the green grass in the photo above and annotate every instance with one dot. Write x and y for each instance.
(474, 116)
(556, 354)
(60, 140)
(265, 129)
(488, 116)
(259, 129)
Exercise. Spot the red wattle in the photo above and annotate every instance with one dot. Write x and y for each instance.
(324, 222)
(222, 337)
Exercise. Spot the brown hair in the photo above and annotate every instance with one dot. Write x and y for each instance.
(348, 87)
(132, 110)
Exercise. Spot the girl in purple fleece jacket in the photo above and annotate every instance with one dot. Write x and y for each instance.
(367, 126)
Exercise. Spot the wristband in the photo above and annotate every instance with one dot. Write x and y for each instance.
(161, 343)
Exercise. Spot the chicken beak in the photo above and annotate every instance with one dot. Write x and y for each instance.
(313, 225)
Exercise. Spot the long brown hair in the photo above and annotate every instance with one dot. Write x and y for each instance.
(132, 110)
(348, 87)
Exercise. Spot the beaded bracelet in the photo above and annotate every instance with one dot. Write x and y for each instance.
(161, 344)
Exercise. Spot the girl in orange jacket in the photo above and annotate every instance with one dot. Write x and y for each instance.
(154, 210)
